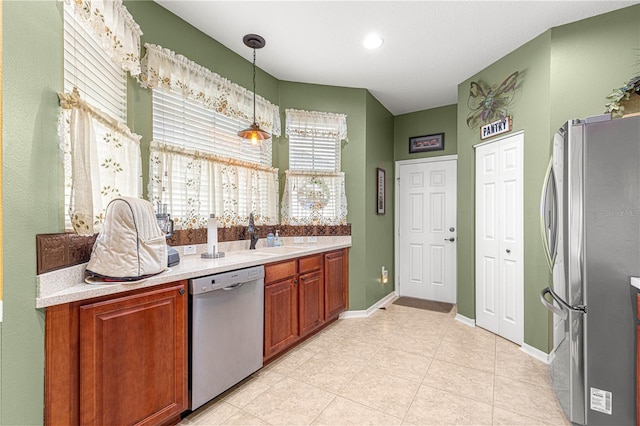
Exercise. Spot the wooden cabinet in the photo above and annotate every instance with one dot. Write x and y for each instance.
(280, 315)
(118, 360)
(311, 294)
(301, 296)
(336, 272)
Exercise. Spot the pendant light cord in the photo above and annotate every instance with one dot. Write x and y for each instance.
(254, 85)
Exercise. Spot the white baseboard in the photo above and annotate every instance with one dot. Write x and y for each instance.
(389, 298)
(466, 321)
(538, 354)
(1, 311)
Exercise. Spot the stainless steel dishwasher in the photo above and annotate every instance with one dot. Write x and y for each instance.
(227, 321)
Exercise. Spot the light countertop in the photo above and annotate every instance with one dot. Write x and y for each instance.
(635, 281)
(68, 285)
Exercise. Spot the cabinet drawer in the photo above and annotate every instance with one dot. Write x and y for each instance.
(310, 263)
(279, 271)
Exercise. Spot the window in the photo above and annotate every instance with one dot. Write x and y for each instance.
(102, 151)
(199, 166)
(314, 187)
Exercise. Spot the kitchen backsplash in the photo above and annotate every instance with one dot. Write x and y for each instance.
(56, 251)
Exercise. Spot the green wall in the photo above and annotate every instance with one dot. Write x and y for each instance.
(32, 185)
(530, 111)
(426, 122)
(379, 228)
(567, 72)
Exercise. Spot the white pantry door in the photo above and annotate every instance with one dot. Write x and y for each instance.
(427, 229)
(499, 233)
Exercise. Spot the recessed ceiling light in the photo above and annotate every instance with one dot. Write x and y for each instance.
(373, 41)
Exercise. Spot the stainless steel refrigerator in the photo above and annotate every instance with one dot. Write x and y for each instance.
(590, 213)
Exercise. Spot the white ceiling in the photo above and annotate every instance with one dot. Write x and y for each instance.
(429, 46)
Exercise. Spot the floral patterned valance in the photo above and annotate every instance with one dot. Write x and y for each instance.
(316, 124)
(164, 68)
(114, 27)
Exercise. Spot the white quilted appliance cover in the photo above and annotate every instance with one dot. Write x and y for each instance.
(131, 244)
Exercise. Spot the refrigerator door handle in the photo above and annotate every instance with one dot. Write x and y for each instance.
(562, 311)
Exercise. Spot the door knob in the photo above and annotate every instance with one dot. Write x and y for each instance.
(508, 250)
(450, 239)
(452, 229)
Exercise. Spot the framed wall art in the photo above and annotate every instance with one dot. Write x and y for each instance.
(380, 186)
(426, 143)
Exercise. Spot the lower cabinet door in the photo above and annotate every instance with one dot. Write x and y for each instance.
(133, 358)
(311, 293)
(336, 283)
(280, 315)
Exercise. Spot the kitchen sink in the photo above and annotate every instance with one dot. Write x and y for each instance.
(274, 251)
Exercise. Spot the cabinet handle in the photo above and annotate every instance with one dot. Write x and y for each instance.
(303, 278)
(329, 257)
(181, 291)
(295, 281)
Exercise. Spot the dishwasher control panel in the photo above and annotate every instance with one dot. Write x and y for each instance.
(225, 280)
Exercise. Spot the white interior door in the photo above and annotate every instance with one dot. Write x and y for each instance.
(499, 233)
(426, 223)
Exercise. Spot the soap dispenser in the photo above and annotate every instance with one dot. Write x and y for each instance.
(270, 239)
(277, 242)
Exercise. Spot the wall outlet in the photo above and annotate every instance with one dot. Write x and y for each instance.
(312, 239)
(298, 240)
(189, 250)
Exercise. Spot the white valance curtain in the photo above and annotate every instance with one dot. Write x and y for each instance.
(102, 161)
(113, 25)
(206, 183)
(309, 124)
(165, 69)
(312, 198)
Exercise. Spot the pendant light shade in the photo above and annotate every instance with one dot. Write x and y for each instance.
(254, 133)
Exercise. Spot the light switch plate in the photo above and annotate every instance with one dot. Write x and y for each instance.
(312, 239)
(298, 240)
(189, 250)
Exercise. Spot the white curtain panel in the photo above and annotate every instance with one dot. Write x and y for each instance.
(113, 25)
(312, 198)
(206, 184)
(102, 161)
(165, 69)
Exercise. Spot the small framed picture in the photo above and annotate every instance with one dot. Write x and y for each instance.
(380, 186)
(425, 143)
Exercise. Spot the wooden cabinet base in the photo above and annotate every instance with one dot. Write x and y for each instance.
(118, 360)
(302, 296)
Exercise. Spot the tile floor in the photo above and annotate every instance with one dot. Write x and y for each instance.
(400, 366)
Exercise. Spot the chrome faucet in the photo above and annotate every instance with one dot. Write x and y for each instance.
(253, 232)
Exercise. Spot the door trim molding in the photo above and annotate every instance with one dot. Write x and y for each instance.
(426, 160)
(508, 135)
(396, 209)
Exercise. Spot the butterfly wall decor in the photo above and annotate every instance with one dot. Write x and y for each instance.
(489, 103)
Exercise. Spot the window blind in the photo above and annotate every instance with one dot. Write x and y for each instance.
(188, 124)
(314, 153)
(101, 82)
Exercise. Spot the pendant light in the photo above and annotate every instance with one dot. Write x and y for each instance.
(254, 132)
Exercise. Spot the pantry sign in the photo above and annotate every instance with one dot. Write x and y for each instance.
(497, 127)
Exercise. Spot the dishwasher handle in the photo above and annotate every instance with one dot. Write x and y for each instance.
(233, 287)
